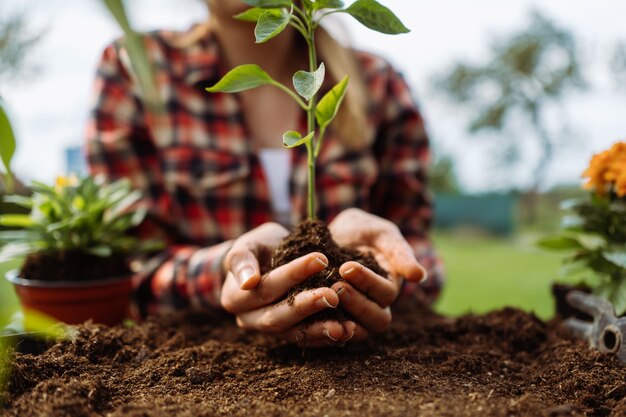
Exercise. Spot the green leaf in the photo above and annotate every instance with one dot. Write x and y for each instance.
(7, 145)
(102, 251)
(308, 83)
(570, 203)
(12, 251)
(16, 220)
(123, 205)
(138, 56)
(559, 242)
(292, 139)
(572, 222)
(376, 17)
(570, 268)
(327, 4)
(241, 78)
(616, 257)
(329, 104)
(17, 235)
(590, 241)
(619, 298)
(253, 14)
(20, 200)
(615, 292)
(271, 25)
(266, 4)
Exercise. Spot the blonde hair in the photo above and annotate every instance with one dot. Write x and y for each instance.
(351, 125)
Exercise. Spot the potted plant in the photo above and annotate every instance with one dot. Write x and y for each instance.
(593, 232)
(272, 17)
(76, 248)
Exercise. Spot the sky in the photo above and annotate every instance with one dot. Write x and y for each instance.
(49, 111)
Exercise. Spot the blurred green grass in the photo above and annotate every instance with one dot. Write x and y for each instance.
(486, 273)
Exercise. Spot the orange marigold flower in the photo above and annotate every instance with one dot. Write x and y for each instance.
(607, 171)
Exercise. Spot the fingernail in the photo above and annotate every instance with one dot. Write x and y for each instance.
(327, 334)
(321, 262)
(244, 275)
(424, 276)
(340, 290)
(348, 271)
(323, 302)
(351, 336)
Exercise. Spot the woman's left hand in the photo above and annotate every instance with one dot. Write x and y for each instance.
(364, 294)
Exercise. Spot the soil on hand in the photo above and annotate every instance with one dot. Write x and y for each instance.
(73, 266)
(314, 236)
(507, 363)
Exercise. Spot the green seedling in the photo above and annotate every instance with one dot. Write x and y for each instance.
(272, 17)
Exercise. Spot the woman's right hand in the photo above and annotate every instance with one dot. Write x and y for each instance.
(258, 301)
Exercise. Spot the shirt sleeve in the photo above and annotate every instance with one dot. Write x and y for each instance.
(401, 194)
(119, 144)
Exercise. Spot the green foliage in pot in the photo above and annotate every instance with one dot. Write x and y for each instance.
(84, 215)
(272, 17)
(593, 232)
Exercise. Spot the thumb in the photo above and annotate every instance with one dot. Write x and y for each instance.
(243, 264)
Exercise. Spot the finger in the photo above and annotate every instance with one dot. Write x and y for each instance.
(382, 290)
(244, 266)
(302, 334)
(400, 255)
(351, 332)
(274, 285)
(277, 318)
(372, 316)
(325, 334)
(242, 258)
(279, 281)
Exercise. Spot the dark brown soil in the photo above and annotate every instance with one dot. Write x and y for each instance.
(507, 363)
(73, 266)
(314, 236)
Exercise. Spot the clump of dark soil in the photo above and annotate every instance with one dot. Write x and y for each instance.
(507, 363)
(314, 236)
(73, 266)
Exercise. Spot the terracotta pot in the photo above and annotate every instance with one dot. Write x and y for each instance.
(74, 302)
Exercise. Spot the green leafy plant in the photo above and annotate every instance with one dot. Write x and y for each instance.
(272, 17)
(593, 231)
(85, 215)
(7, 146)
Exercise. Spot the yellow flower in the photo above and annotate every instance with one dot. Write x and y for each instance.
(63, 182)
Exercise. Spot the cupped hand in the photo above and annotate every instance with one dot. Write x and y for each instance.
(258, 300)
(365, 294)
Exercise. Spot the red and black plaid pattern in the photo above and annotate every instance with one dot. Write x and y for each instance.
(204, 185)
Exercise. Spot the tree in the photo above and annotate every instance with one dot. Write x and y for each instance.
(442, 176)
(524, 74)
(16, 43)
(618, 65)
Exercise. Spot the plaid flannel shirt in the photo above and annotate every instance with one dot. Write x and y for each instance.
(203, 183)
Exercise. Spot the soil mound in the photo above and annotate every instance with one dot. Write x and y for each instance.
(507, 363)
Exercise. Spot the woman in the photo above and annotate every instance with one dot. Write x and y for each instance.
(204, 169)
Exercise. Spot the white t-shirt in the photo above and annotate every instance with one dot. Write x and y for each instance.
(276, 163)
